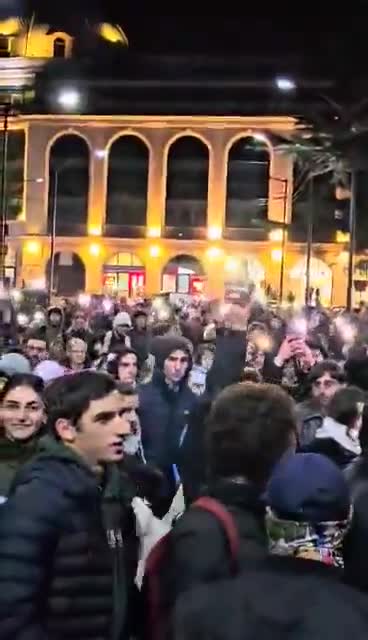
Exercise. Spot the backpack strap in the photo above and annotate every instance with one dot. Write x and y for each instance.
(224, 517)
(153, 575)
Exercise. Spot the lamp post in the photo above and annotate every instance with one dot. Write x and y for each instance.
(284, 239)
(69, 99)
(309, 241)
(352, 234)
(55, 185)
(285, 182)
(346, 134)
(3, 191)
(55, 175)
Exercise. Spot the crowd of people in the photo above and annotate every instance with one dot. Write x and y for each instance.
(196, 471)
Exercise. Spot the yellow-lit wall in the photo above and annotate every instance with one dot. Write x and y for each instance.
(158, 133)
(214, 256)
(38, 44)
(34, 41)
(154, 251)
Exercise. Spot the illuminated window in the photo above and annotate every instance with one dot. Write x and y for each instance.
(4, 46)
(125, 260)
(59, 48)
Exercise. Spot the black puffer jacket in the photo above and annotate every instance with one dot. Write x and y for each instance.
(67, 556)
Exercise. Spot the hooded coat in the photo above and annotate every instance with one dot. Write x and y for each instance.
(164, 413)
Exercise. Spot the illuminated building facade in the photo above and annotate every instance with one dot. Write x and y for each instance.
(144, 203)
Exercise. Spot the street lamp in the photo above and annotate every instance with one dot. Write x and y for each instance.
(352, 233)
(285, 84)
(69, 99)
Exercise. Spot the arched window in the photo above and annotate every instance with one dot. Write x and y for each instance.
(187, 183)
(247, 183)
(69, 274)
(59, 48)
(183, 274)
(69, 160)
(127, 182)
(14, 173)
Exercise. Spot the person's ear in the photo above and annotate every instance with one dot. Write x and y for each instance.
(65, 430)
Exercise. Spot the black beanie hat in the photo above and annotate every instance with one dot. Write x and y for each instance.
(162, 346)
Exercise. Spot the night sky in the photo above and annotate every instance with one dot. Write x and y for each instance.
(317, 29)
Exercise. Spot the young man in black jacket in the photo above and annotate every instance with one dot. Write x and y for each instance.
(68, 549)
(249, 429)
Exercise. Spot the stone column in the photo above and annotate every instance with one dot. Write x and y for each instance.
(214, 268)
(216, 212)
(156, 195)
(154, 267)
(93, 266)
(34, 256)
(98, 172)
(339, 281)
(36, 168)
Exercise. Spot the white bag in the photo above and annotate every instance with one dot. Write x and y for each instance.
(149, 531)
(177, 507)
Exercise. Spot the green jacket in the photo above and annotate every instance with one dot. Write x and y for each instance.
(13, 455)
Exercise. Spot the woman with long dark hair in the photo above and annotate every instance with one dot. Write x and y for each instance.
(21, 420)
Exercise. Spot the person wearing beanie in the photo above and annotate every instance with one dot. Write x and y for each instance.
(166, 404)
(12, 363)
(118, 337)
(309, 510)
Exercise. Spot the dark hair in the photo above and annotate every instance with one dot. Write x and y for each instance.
(36, 334)
(112, 366)
(250, 427)
(160, 328)
(201, 350)
(127, 389)
(250, 375)
(343, 405)
(22, 380)
(70, 396)
(327, 366)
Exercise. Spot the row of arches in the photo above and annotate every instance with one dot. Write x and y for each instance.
(124, 273)
(187, 181)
